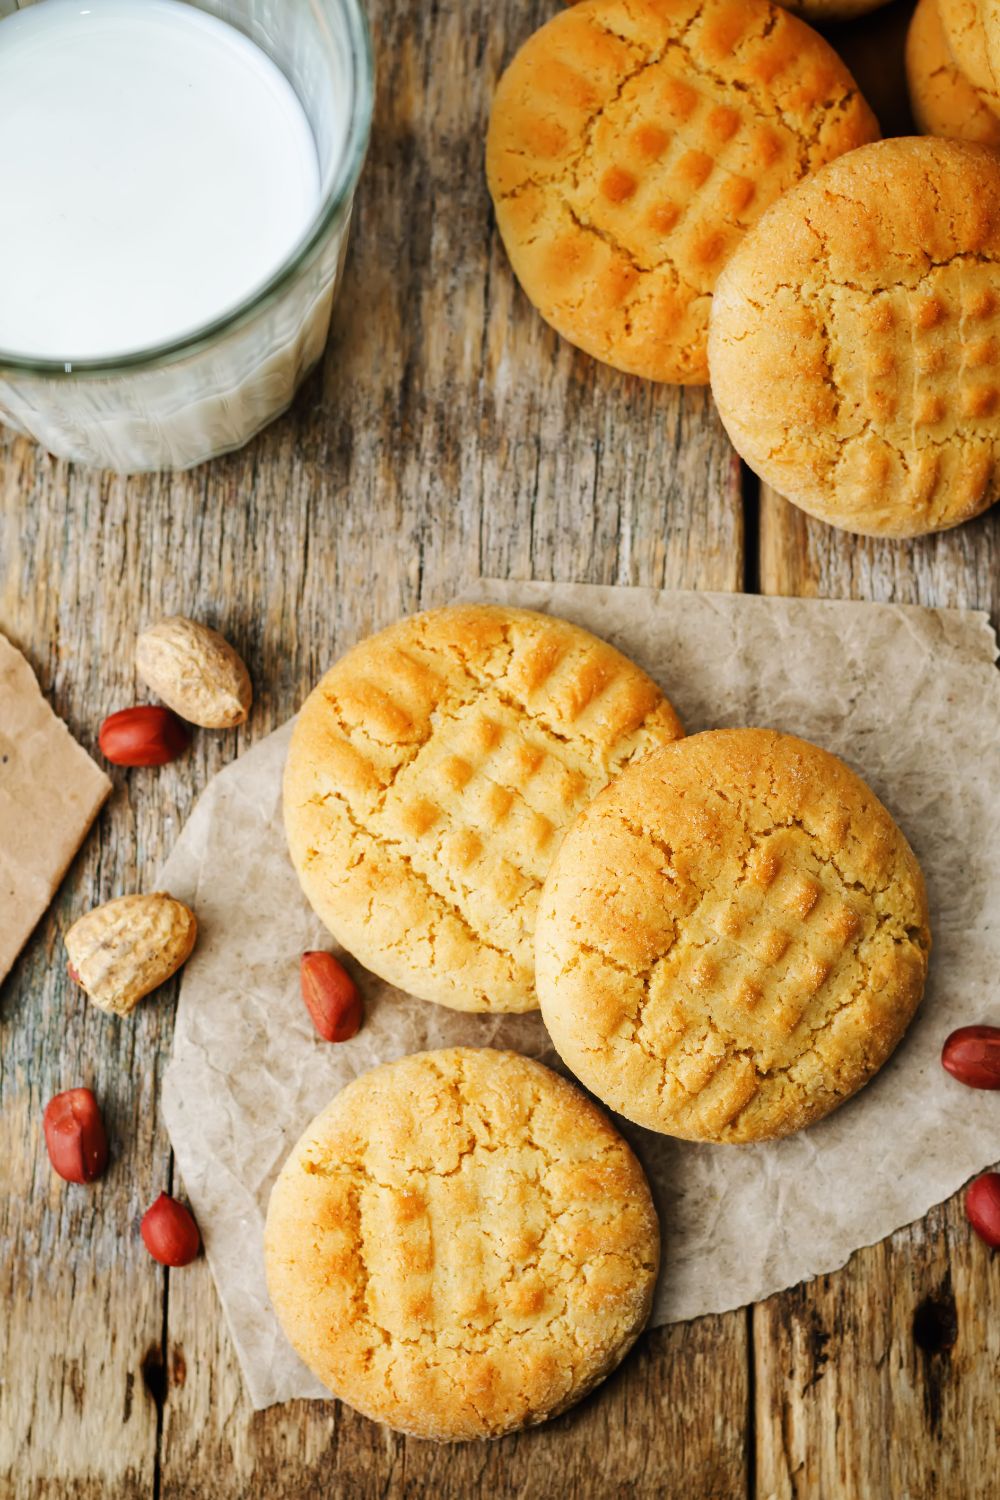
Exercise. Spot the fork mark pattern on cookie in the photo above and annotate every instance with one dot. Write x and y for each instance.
(437, 777)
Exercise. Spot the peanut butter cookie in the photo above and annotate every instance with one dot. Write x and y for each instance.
(429, 780)
(989, 11)
(732, 938)
(967, 32)
(631, 145)
(461, 1244)
(854, 340)
(943, 100)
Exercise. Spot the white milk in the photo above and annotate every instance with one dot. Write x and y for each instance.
(156, 169)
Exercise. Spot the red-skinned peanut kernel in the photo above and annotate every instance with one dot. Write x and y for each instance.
(74, 1136)
(146, 735)
(972, 1055)
(169, 1232)
(982, 1208)
(331, 997)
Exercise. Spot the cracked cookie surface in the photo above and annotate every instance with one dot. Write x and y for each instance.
(461, 1244)
(989, 11)
(855, 339)
(732, 938)
(943, 100)
(967, 35)
(430, 777)
(631, 144)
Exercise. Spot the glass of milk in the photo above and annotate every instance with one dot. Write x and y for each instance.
(175, 197)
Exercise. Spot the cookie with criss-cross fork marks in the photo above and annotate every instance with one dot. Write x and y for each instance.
(461, 1244)
(855, 339)
(732, 938)
(431, 775)
(631, 145)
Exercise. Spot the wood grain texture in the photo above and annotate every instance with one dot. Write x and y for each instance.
(448, 434)
(956, 569)
(881, 1380)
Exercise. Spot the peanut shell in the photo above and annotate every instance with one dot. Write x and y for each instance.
(121, 951)
(195, 671)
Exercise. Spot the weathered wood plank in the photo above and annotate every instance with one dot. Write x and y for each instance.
(882, 1379)
(448, 434)
(957, 569)
(82, 1302)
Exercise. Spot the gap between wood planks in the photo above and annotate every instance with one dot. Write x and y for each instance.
(750, 489)
(750, 492)
(155, 1373)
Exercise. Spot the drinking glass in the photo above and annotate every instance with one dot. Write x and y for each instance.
(176, 404)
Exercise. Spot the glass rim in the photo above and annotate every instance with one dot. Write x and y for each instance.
(335, 199)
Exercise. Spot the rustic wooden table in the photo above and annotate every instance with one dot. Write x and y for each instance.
(448, 435)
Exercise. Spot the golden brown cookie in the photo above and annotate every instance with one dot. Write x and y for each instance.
(461, 1244)
(732, 938)
(854, 340)
(989, 12)
(967, 38)
(631, 144)
(429, 780)
(943, 100)
(820, 12)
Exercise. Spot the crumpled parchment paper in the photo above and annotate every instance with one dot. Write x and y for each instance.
(50, 793)
(909, 697)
